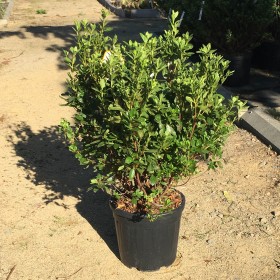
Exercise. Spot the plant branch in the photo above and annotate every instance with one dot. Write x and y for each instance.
(140, 184)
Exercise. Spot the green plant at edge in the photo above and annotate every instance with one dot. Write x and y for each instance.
(41, 12)
(2, 10)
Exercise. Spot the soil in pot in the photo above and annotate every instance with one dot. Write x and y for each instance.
(144, 244)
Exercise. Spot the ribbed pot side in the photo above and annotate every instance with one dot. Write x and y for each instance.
(144, 244)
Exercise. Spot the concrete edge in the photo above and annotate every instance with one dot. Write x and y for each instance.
(259, 123)
(117, 11)
(7, 14)
(134, 13)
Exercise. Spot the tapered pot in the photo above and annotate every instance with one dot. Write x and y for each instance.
(144, 244)
(267, 56)
(241, 65)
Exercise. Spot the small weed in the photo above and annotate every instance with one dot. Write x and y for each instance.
(3, 6)
(41, 12)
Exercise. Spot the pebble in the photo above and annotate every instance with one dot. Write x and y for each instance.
(263, 163)
(212, 214)
(263, 220)
(239, 235)
(275, 213)
(269, 230)
(253, 139)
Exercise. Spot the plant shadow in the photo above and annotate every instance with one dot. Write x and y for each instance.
(262, 90)
(125, 29)
(46, 160)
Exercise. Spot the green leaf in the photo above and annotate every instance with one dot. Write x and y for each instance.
(227, 196)
(73, 148)
(67, 60)
(153, 180)
(121, 168)
(93, 181)
(169, 130)
(158, 118)
(152, 151)
(115, 119)
(102, 83)
(189, 99)
(138, 193)
(115, 108)
(134, 200)
(101, 144)
(140, 133)
(128, 160)
(131, 174)
(150, 168)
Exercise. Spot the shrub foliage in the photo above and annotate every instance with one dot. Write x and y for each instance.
(145, 115)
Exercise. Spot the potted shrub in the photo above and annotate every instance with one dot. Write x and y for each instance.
(132, 8)
(144, 117)
(233, 27)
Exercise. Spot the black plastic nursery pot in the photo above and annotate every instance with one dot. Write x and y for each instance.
(144, 244)
(241, 65)
(267, 56)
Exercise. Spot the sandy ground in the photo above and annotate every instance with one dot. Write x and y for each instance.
(51, 228)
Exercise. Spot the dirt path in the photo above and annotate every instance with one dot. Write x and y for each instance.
(50, 228)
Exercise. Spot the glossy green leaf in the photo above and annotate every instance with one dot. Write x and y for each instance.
(131, 174)
(128, 160)
(153, 180)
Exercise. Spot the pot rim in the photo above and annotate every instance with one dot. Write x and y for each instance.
(139, 216)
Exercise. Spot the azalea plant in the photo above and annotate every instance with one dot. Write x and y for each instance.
(145, 115)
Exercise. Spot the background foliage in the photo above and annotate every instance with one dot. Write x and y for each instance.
(231, 26)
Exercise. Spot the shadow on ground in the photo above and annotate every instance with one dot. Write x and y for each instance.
(125, 29)
(65, 33)
(262, 90)
(46, 160)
